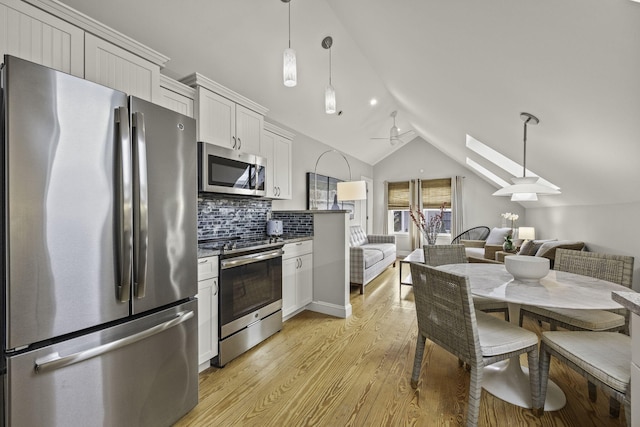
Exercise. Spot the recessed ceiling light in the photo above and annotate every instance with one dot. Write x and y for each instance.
(373, 101)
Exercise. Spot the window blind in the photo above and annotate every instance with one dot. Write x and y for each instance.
(399, 196)
(435, 192)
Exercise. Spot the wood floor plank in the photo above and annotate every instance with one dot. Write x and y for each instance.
(324, 371)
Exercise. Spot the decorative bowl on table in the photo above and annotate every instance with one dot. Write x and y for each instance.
(527, 268)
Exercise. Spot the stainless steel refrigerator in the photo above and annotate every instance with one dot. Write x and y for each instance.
(99, 263)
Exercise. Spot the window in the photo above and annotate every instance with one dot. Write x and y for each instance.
(434, 193)
(446, 218)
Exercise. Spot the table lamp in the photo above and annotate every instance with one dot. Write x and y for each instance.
(526, 233)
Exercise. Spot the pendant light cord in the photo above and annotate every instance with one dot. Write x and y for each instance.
(524, 160)
(329, 66)
(289, 25)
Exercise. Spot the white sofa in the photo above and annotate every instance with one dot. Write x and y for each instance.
(369, 255)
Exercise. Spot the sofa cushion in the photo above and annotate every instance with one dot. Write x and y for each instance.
(372, 256)
(357, 236)
(496, 235)
(548, 249)
(387, 249)
(530, 247)
(474, 252)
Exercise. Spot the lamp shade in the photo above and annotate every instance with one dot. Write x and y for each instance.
(526, 233)
(290, 74)
(330, 100)
(352, 190)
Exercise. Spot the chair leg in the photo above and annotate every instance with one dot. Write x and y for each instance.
(627, 410)
(545, 361)
(475, 392)
(362, 289)
(417, 360)
(614, 408)
(534, 382)
(593, 391)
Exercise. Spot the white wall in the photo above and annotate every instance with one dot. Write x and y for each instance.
(604, 228)
(419, 159)
(305, 153)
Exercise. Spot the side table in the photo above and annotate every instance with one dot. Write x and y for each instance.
(415, 256)
(501, 254)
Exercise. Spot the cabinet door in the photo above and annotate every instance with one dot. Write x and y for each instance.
(116, 68)
(289, 298)
(214, 318)
(249, 126)
(34, 35)
(176, 102)
(305, 280)
(282, 167)
(267, 146)
(216, 118)
(206, 289)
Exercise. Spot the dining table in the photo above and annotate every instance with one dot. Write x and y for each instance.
(508, 380)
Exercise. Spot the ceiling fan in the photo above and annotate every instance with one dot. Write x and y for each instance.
(394, 132)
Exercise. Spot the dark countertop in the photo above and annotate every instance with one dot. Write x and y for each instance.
(286, 239)
(312, 211)
(629, 300)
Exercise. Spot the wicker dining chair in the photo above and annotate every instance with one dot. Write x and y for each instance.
(435, 255)
(446, 316)
(613, 268)
(604, 358)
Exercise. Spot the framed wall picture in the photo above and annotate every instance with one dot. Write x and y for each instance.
(322, 194)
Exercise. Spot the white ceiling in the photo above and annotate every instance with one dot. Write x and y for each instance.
(450, 68)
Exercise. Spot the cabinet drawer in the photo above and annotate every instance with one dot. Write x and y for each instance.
(207, 267)
(296, 249)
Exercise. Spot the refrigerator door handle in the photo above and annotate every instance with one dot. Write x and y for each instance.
(125, 244)
(142, 211)
(55, 361)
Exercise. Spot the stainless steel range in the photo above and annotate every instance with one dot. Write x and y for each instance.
(250, 298)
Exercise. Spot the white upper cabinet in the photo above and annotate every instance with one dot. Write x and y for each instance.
(249, 126)
(112, 66)
(224, 117)
(34, 35)
(276, 147)
(176, 96)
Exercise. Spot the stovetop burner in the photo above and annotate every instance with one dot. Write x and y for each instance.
(235, 244)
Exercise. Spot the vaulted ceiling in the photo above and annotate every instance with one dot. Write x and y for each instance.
(450, 68)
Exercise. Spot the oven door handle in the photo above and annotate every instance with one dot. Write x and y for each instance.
(249, 259)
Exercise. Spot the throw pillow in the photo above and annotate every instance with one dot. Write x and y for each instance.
(530, 247)
(496, 235)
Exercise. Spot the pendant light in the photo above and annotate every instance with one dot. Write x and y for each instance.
(289, 69)
(329, 92)
(526, 188)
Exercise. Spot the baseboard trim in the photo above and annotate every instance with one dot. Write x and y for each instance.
(330, 309)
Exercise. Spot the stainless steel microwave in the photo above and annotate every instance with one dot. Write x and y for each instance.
(223, 170)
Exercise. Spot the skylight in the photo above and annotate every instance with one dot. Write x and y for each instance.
(499, 160)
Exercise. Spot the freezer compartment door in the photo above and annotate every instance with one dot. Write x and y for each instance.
(142, 373)
(165, 200)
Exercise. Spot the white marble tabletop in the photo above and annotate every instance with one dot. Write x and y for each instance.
(557, 289)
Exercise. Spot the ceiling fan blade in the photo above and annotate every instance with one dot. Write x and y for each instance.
(404, 133)
(381, 138)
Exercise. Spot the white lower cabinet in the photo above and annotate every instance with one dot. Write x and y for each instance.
(207, 310)
(297, 277)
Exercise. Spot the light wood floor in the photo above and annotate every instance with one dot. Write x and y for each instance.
(324, 371)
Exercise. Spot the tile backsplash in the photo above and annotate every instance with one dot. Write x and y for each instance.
(228, 216)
